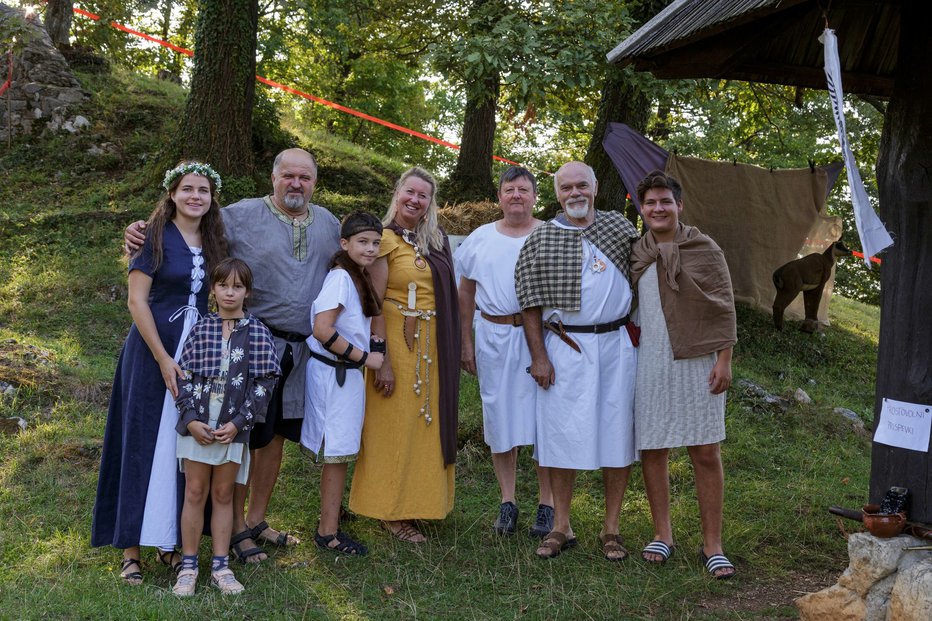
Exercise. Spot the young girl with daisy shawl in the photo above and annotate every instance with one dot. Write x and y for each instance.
(230, 369)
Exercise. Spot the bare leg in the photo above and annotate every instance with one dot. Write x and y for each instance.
(196, 488)
(654, 465)
(544, 490)
(505, 465)
(240, 493)
(223, 480)
(615, 481)
(561, 481)
(266, 466)
(332, 485)
(710, 490)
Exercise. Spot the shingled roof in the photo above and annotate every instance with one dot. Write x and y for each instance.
(768, 41)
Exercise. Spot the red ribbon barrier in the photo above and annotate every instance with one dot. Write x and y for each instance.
(9, 78)
(860, 255)
(293, 91)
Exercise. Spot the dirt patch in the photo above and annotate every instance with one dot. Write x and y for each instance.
(771, 600)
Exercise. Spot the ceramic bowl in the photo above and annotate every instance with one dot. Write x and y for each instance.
(883, 524)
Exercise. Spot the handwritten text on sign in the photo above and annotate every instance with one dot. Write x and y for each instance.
(904, 425)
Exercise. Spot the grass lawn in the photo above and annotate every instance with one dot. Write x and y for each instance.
(62, 321)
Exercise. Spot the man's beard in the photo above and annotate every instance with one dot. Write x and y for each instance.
(294, 202)
(578, 211)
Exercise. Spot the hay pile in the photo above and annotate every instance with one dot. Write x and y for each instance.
(464, 218)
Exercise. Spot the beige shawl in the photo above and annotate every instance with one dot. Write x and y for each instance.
(695, 290)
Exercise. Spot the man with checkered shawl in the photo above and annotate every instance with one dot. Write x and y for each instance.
(574, 288)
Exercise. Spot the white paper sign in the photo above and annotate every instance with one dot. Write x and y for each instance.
(873, 234)
(904, 425)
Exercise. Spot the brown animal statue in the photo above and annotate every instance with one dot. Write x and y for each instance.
(809, 275)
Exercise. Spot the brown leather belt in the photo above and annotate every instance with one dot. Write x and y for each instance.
(515, 320)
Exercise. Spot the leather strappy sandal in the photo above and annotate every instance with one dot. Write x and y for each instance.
(553, 544)
(165, 558)
(613, 544)
(133, 578)
(404, 531)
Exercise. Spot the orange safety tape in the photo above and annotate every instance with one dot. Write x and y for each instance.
(294, 91)
(860, 255)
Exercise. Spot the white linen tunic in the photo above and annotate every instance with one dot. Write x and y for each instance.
(333, 414)
(585, 420)
(508, 393)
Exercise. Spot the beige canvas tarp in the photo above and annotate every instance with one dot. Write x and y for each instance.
(761, 219)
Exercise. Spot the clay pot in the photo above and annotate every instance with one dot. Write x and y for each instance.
(883, 524)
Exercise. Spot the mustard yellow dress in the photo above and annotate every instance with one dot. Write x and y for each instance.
(400, 472)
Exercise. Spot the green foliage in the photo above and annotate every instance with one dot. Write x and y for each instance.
(776, 126)
(538, 48)
(268, 137)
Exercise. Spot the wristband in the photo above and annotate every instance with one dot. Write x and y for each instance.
(376, 347)
(362, 361)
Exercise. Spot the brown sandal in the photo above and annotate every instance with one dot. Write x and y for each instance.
(612, 544)
(553, 544)
(404, 531)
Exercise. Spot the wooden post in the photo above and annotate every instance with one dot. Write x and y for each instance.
(904, 176)
(9, 99)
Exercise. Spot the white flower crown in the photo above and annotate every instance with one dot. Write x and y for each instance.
(186, 168)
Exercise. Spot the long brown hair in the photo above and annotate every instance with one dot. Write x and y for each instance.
(370, 301)
(213, 239)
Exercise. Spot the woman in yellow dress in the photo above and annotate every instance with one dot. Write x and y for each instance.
(404, 471)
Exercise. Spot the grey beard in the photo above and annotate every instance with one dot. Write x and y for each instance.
(293, 202)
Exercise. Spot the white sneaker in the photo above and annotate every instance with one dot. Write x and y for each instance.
(226, 582)
(184, 585)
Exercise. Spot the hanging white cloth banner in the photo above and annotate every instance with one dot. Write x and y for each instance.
(873, 234)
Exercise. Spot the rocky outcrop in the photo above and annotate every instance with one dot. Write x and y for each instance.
(43, 89)
(883, 582)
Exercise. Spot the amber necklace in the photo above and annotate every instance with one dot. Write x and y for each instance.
(411, 239)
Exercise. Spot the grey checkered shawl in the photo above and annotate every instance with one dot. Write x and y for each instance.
(548, 272)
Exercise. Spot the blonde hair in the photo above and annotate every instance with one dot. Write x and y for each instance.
(427, 232)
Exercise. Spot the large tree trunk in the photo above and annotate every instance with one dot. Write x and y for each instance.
(217, 125)
(472, 178)
(904, 176)
(622, 102)
(58, 22)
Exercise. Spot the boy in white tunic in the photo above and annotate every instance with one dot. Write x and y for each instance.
(572, 280)
(341, 343)
(486, 263)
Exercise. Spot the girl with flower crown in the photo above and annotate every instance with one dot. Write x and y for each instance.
(139, 486)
